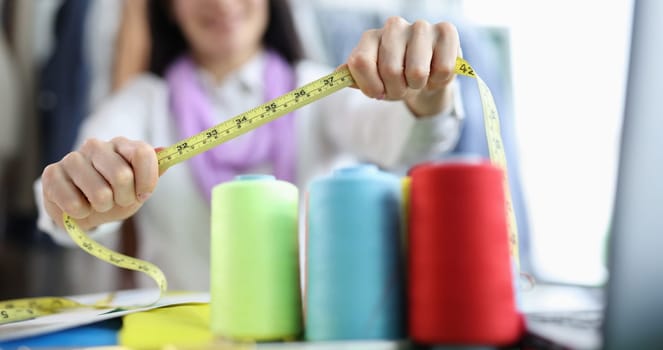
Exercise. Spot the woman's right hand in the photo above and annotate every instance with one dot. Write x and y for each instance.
(101, 182)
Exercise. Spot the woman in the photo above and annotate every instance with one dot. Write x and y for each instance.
(213, 59)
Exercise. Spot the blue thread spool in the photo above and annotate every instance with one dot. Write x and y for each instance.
(354, 262)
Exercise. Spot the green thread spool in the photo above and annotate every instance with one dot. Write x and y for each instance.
(255, 292)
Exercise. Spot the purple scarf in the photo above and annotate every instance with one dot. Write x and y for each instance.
(272, 143)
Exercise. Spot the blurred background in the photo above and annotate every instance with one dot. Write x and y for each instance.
(557, 70)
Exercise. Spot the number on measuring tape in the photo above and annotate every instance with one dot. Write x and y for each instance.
(466, 69)
(239, 121)
(212, 133)
(299, 94)
(181, 147)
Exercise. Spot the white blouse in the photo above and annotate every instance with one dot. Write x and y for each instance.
(174, 224)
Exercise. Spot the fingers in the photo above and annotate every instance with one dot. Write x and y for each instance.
(391, 57)
(402, 56)
(81, 173)
(362, 64)
(60, 194)
(419, 55)
(108, 180)
(143, 161)
(447, 49)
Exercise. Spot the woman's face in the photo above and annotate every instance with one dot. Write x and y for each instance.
(217, 29)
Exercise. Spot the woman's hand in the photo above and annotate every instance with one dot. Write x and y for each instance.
(413, 62)
(101, 182)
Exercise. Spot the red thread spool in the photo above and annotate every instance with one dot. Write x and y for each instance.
(460, 276)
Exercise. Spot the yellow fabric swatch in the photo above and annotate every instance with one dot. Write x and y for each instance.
(181, 325)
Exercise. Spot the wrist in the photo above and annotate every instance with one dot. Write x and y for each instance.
(428, 103)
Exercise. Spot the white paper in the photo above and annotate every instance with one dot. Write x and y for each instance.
(544, 305)
(71, 318)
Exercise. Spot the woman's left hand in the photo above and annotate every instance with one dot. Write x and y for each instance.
(413, 62)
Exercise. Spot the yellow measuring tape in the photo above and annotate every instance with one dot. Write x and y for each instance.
(22, 309)
(25, 309)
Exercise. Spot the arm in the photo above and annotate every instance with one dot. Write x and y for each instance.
(415, 112)
(106, 178)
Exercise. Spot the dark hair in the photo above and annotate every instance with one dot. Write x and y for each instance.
(168, 42)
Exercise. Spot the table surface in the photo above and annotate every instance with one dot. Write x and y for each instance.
(541, 298)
